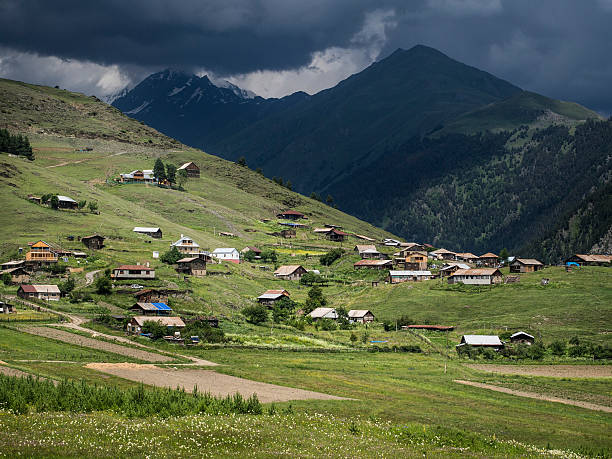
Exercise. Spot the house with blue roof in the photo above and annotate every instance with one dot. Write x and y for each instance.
(152, 309)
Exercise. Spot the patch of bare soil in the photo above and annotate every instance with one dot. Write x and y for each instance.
(13, 371)
(548, 398)
(79, 340)
(557, 371)
(207, 381)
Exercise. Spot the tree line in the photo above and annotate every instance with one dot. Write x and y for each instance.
(15, 144)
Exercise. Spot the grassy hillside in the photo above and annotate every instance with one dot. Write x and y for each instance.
(401, 403)
(523, 108)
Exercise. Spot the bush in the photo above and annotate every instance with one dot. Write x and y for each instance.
(204, 331)
(327, 325)
(156, 329)
(331, 256)
(255, 314)
(536, 351)
(104, 285)
(67, 286)
(269, 256)
(557, 347)
(315, 299)
(310, 279)
(7, 279)
(171, 256)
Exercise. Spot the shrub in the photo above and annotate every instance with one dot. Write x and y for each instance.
(315, 299)
(327, 324)
(536, 351)
(171, 256)
(205, 332)
(310, 279)
(104, 285)
(93, 207)
(331, 256)
(156, 329)
(269, 255)
(7, 279)
(255, 314)
(67, 286)
(558, 347)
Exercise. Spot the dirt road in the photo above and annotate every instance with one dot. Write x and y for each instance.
(79, 340)
(207, 381)
(90, 276)
(557, 371)
(548, 398)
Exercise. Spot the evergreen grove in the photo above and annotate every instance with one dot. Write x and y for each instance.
(15, 144)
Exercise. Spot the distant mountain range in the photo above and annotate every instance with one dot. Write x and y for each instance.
(417, 143)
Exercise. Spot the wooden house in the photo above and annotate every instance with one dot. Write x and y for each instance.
(42, 292)
(522, 338)
(416, 261)
(41, 253)
(590, 260)
(149, 295)
(13, 264)
(18, 275)
(6, 308)
(253, 249)
(324, 313)
(152, 309)
(361, 316)
(172, 323)
(192, 170)
(479, 276)
(193, 266)
(133, 272)
(93, 242)
(443, 254)
(290, 272)
(489, 259)
(525, 265)
(449, 268)
(373, 264)
(368, 251)
(290, 215)
(64, 202)
(468, 257)
(336, 235)
(491, 341)
(186, 246)
(288, 233)
(397, 277)
(155, 233)
(270, 297)
(412, 247)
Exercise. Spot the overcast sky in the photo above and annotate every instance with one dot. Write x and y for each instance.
(559, 48)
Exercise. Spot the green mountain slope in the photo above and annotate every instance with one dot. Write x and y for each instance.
(522, 108)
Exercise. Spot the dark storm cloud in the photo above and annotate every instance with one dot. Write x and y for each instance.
(560, 48)
(227, 36)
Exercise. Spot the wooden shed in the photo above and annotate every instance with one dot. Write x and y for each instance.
(525, 265)
(93, 242)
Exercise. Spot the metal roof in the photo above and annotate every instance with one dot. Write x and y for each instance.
(65, 198)
(481, 340)
(358, 313)
(595, 258)
(287, 270)
(270, 296)
(410, 273)
(134, 267)
(185, 241)
(476, 272)
(324, 313)
(224, 250)
(489, 255)
(144, 229)
(454, 265)
(164, 320)
(521, 333)
(40, 288)
(373, 263)
(528, 261)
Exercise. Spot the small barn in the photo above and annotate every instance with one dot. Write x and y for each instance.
(253, 249)
(479, 276)
(18, 275)
(489, 259)
(93, 242)
(324, 313)
(373, 264)
(525, 265)
(443, 254)
(193, 266)
(64, 202)
(397, 277)
(468, 257)
(491, 341)
(449, 268)
(42, 292)
(155, 233)
(149, 295)
(590, 260)
(336, 235)
(290, 215)
(152, 309)
(191, 168)
(269, 297)
(172, 323)
(133, 272)
(362, 316)
(522, 338)
(290, 272)
(13, 264)
(288, 233)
